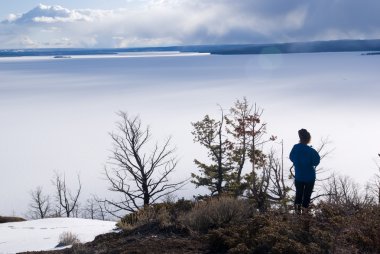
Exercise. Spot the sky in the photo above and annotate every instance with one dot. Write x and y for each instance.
(135, 23)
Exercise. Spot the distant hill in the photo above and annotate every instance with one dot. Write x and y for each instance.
(273, 48)
(301, 47)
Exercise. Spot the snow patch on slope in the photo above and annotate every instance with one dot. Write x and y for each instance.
(44, 234)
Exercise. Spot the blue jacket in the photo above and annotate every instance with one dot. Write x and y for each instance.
(305, 159)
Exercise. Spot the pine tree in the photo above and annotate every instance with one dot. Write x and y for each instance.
(211, 134)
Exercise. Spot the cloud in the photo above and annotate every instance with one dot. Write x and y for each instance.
(178, 22)
(50, 14)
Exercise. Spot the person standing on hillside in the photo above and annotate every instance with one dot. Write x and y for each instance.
(304, 159)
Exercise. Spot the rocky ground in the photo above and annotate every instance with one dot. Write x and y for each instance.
(10, 219)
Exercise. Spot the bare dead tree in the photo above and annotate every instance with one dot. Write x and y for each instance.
(101, 209)
(261, 177)
(279, 186)
(94, 208)
(90, 209)
(57, 210)
(376, 184)
(67, 199)
(76, 211)
(273, 185)
(373, 186)
(140, 176)
(342, 190)
(40, 204)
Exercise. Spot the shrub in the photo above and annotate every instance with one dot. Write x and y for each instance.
(331, 229)
(67, 238)
(355, 229)
(231, 225)
(216, 212)
(263, 233)
(165, 214)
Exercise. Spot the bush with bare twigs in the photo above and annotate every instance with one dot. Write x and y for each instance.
(68, 238)
(163, 214)
(216, 212)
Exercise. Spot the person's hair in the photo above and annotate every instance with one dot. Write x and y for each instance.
(305, 136)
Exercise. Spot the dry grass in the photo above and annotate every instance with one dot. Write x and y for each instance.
(164, 214)
(68, 238)
(331, 229)
(146, 215)
(230, 225)
(216, 212)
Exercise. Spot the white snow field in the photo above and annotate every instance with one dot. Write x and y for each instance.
(36, 235)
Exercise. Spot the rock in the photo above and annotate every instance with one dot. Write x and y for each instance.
(10, 219)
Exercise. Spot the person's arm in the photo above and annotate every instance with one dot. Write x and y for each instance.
(316, 158)
(292, 155)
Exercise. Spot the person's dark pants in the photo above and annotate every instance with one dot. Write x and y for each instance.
(303, 193)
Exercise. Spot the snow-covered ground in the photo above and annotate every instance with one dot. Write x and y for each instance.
(44, 234)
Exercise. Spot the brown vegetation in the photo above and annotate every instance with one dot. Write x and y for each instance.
(329, 229)
(229, 225)
(10, 219)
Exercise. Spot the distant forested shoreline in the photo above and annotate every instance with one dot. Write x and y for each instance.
(271, 48)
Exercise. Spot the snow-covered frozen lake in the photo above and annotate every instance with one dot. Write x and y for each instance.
(56, 113)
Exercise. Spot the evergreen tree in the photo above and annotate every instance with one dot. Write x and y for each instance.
(234, 144)
(211, 134)
(248, 134)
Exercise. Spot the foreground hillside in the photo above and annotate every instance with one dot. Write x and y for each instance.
(143, 240)
(227, 225)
